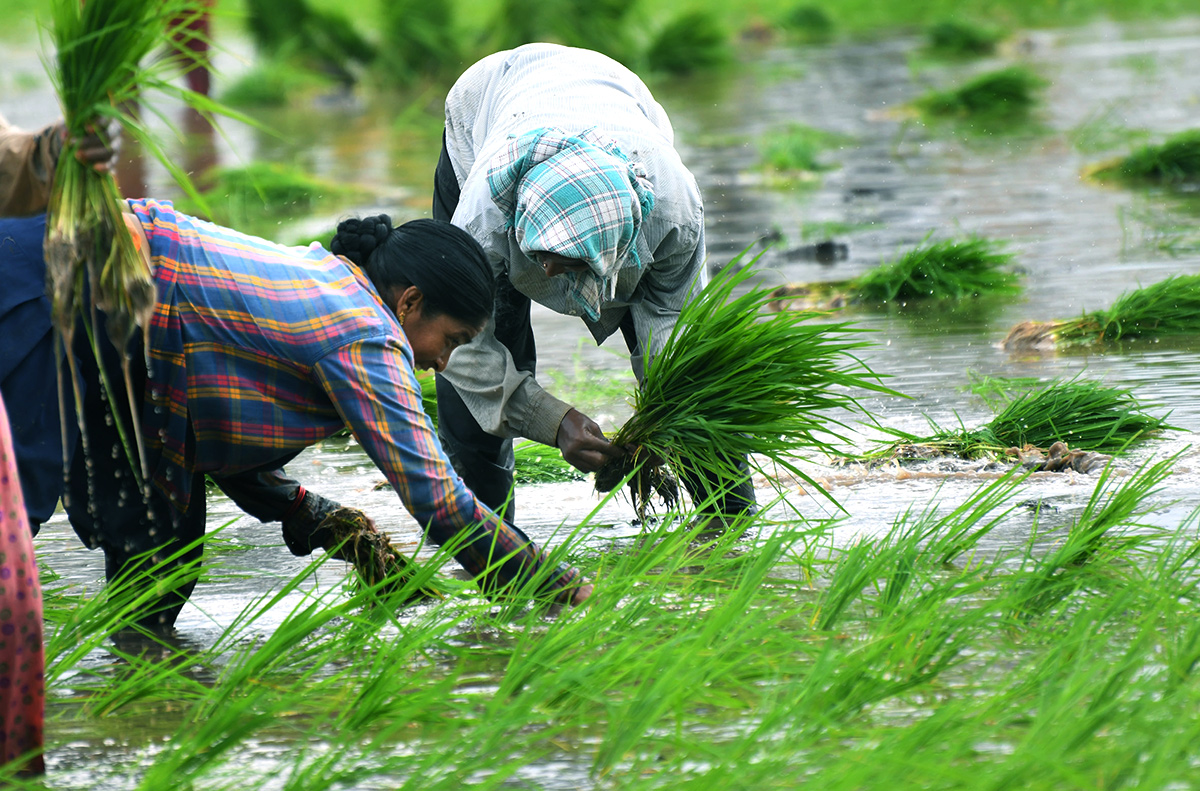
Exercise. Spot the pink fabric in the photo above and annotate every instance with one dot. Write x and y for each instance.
(22, 685)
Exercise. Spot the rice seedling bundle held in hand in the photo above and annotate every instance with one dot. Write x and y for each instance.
(98, 73)
(734, 380)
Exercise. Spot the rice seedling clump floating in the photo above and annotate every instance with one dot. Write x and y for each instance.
(1170, 307)
(734, 381)
(692, 41)
(793, 154)
(1174, 162)
(1007, 94)
(1086, 415)
(949, 269)
(953, 38)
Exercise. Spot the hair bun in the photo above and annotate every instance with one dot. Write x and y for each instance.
(357, 238)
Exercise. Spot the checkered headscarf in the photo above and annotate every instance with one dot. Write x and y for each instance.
(578, 196)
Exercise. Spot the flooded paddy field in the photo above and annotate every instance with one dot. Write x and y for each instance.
(895, 181)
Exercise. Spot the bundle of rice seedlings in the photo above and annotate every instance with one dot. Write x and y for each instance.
(1174, 161)
(942, 270)
(691, 41)
(795, 151)
(948, 269)
(1082, 414)
(998, 95)
(734, 381)
(961, 39)
(1169, 307)
(808, 22)
(538, 463)
(98, 73)
(358, 542)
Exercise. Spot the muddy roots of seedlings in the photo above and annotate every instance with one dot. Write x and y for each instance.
(356, 540)
(649, 478)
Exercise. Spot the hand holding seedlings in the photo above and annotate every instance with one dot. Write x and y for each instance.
(99, 148)
(583, 444)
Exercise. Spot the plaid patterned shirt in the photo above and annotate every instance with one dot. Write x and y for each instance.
(259, 350)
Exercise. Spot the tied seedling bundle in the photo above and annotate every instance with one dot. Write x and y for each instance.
(734, 381)
(1170, 307)
(1082, 414)
(99, 73)
(352, 537)
(946, 270)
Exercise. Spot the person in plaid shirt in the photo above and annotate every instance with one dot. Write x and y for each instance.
(256, 351)
(562, 165)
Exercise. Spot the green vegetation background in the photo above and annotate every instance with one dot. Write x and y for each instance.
(849, 16)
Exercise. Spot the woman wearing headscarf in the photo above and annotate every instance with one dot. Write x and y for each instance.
(562, 165)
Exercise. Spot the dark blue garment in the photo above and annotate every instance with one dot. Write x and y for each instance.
(28, 380)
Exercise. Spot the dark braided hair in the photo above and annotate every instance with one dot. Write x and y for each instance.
(441, 259)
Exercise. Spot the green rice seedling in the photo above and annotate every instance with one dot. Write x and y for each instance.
(794, 153)
(538, 463)
(1174, 162)
(955, 38)
(1003, 95)
(356, 540)
(1168, 308)
(940, 270)
(732, 381)
(692, 41)
(808, 22)
(1083, 414)
(1093, 539)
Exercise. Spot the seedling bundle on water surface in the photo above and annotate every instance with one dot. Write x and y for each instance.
(734, 381)
(949, 269)
(1004, 95)
(1175, 161)
(1169, 307)
(1082, 414)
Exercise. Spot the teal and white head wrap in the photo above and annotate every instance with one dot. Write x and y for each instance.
(578, 196)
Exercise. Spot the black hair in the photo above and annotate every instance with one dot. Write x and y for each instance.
(441, 259)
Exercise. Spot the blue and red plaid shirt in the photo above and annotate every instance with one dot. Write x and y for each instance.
(265, 349)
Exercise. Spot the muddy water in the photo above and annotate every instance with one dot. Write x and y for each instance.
(894, 184)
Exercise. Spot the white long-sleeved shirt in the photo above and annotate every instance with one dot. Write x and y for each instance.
(547, 85)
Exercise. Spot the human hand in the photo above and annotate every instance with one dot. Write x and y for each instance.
(99, 147)
(583, 444)
(576, 594)
(581, 594)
